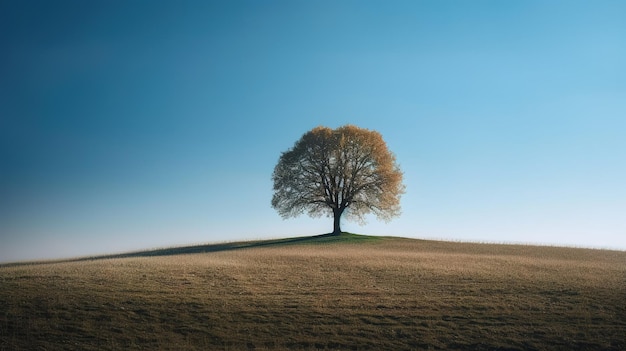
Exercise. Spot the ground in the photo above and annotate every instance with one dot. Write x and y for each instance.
(349, 292)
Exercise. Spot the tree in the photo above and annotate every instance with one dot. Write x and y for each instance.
(347, 170)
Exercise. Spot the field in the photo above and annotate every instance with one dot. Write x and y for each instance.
(348, 293)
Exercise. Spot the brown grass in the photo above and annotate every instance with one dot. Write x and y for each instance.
(392, 294)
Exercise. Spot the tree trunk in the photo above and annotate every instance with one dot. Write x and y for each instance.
(337, 221)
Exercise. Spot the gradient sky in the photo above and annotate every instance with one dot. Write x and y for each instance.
(129, 125)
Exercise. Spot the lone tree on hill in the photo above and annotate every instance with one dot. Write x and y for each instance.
(335, 171)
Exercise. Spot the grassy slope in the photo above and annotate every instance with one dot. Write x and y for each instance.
(348, 292)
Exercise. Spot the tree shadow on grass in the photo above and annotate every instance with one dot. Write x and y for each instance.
(184, 250)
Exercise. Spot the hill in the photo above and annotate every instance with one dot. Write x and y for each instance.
(349, 292)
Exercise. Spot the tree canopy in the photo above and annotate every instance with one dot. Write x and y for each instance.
(332, 172)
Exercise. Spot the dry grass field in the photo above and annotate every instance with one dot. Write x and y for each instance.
(347, 293)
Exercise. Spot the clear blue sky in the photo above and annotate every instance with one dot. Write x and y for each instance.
(138, 124)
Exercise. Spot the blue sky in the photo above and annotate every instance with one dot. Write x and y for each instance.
(127, 125)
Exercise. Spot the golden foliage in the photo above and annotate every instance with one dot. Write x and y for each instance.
(334, 171)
